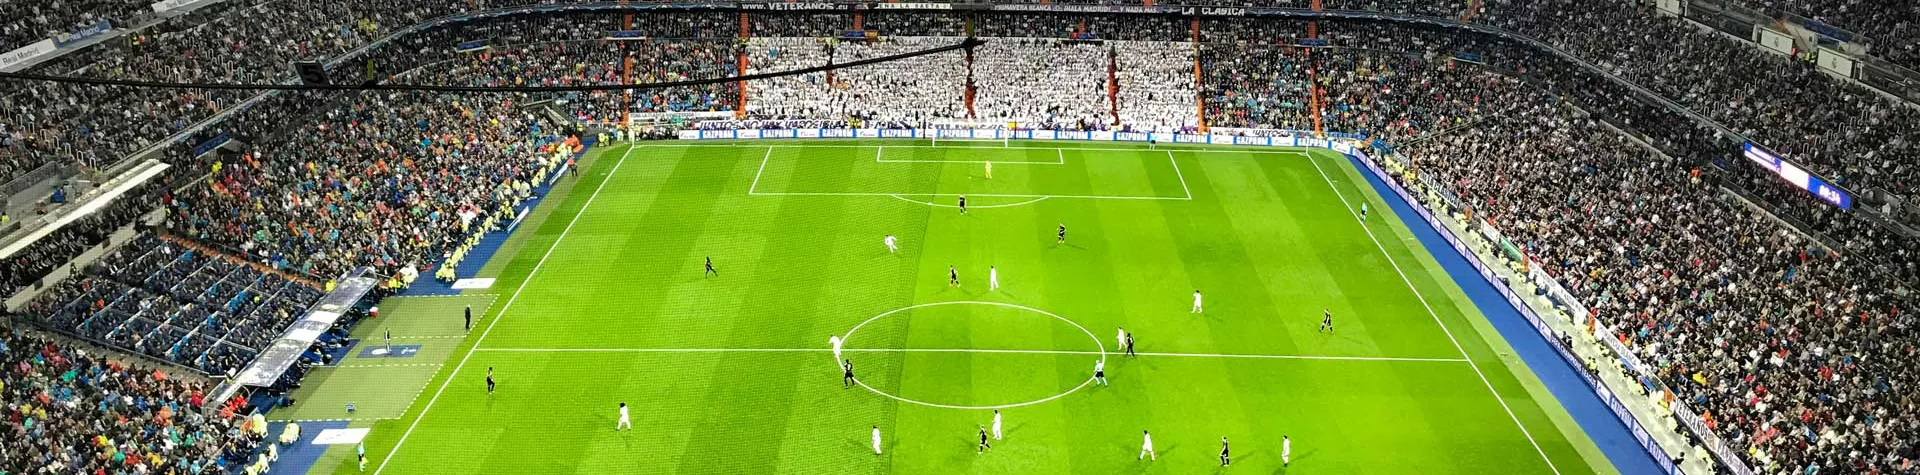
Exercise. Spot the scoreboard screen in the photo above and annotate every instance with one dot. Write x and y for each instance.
(1797, 176)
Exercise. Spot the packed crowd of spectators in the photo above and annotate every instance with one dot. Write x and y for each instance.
(799, 24)
(173, 303)
(28, 22)
(1791, 348)
(1892, 27)
(1042, 83)
(68, 409)
(1051, 83)
(908, 91)
(1104, 27)
(96, 125)
(1256, 86)
(388, 180)
(1845, 132)
(31, 264)
(1155, 81)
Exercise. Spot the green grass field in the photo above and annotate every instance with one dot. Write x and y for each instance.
(602, 300)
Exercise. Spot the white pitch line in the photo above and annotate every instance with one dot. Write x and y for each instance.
(968, 162)
(939, 205)
(503, 310)
(1083, 385)
(1245, 149)
(1436, 315)
(403, 365)
(750, 188)
(881, 148)
(1176, 172)
(968, 350)
(987, 195)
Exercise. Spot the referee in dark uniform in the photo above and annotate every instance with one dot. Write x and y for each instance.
(963, 204)
(846, 374)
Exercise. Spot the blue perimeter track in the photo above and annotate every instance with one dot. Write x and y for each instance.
(1559, 375)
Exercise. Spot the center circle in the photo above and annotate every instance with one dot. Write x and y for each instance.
(952, 203)
(1083, 384)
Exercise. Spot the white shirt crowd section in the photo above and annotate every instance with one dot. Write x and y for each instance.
(1156, 85)
(1041, 83)
(913, 90)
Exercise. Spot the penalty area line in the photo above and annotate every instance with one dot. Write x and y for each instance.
(1182, 176)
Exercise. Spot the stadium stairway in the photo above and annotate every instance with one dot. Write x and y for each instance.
(1607, 431)
(490, 243)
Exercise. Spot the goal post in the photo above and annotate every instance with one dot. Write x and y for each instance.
(967, 131)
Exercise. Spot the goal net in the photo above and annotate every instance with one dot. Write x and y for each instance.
(962, 131)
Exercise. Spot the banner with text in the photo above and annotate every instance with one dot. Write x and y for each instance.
(82, 34)
(12, 61)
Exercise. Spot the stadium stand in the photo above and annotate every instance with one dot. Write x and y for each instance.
(880, 93)
(174, 303)
(434, 167)
(27, 22)
(1843, 131)
(35, 261)
(69, 409)
(1750, 321)
(1793, 349)
(1050, 83)
(1890, 25)
(1156, 86)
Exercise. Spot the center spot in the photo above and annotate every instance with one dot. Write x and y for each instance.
(972, 354)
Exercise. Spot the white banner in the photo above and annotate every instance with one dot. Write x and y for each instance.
(912, 6)
(10, 61)
(164, 6)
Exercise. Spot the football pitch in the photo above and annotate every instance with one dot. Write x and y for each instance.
(602, 299)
